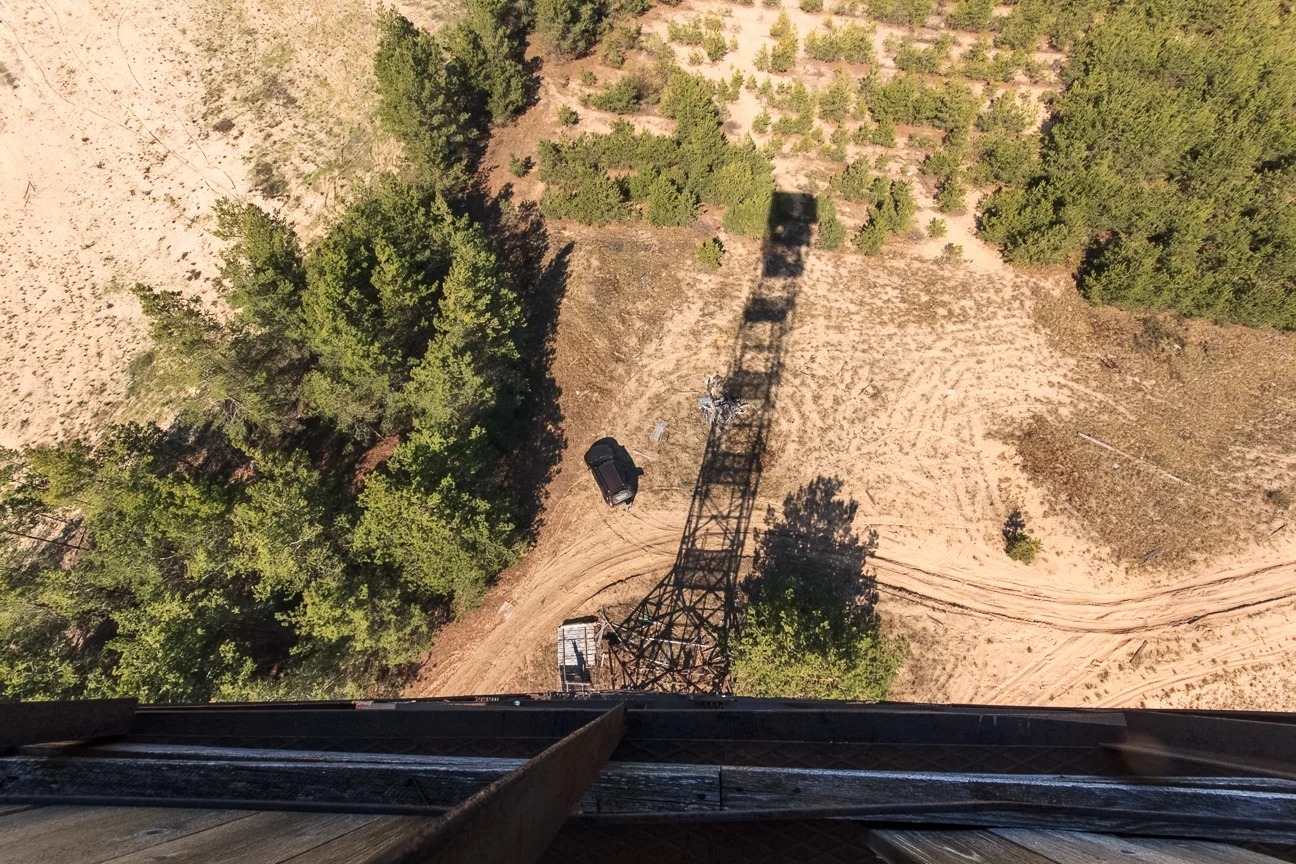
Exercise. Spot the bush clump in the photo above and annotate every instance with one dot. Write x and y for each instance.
(594, 199)
(782, 57)
(837, 99)
(799, 100)
(625, 38)
(570, 27)
(668, 204)
(710, 253)
(832, 233)
(1007, 113)
(689, 33)
(849, 43)
(891, 210)
(980, 63)
(883, 134)
(623, 97)
(924, 61)
(1004, 160)
(855, 182)
(976, 15)
(908, 13)
(1019, 545)
(950, 106)
(951, 193)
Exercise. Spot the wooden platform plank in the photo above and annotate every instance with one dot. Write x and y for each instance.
(415, 783)
(949, 847)
(1071, 847)
(426, 782)
(378, 836)
(1210, 808)
(1205, 852)
(90, 835)
(261, 838)
(627, 788)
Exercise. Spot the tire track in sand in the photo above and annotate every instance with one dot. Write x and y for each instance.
(1093, 630)
(564, 582)
(1217, 594)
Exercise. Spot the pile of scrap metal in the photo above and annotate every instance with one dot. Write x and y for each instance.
(718, 408)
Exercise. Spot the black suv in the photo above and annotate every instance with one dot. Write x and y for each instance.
(610, 476)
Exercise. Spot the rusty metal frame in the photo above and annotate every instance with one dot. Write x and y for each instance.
(676, 759)
(515, 818)
(40, 722)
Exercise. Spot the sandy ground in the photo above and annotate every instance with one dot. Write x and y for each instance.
(914, 381)
(102, 175)
(906, 380)
(121, 124)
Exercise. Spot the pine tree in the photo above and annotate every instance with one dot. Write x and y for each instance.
(428, 101)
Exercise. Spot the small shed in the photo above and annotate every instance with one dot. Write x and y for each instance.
(578, 640)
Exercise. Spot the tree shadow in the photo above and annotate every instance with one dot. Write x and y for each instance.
(811, 557)
(531, 440)
(531, 93)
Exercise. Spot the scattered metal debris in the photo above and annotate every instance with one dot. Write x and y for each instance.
(718, 408)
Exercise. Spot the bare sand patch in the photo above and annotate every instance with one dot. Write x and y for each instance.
(122, 123)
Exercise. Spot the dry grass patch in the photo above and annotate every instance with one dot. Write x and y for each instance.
(1211, 405)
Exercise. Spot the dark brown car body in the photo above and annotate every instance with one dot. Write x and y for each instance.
(609, 476)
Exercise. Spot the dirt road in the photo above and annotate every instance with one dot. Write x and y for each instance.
(1078, 637)
(1236, 591)
(603, 558)
(1081, 639)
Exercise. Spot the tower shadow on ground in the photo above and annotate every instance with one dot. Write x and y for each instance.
(677, 637)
